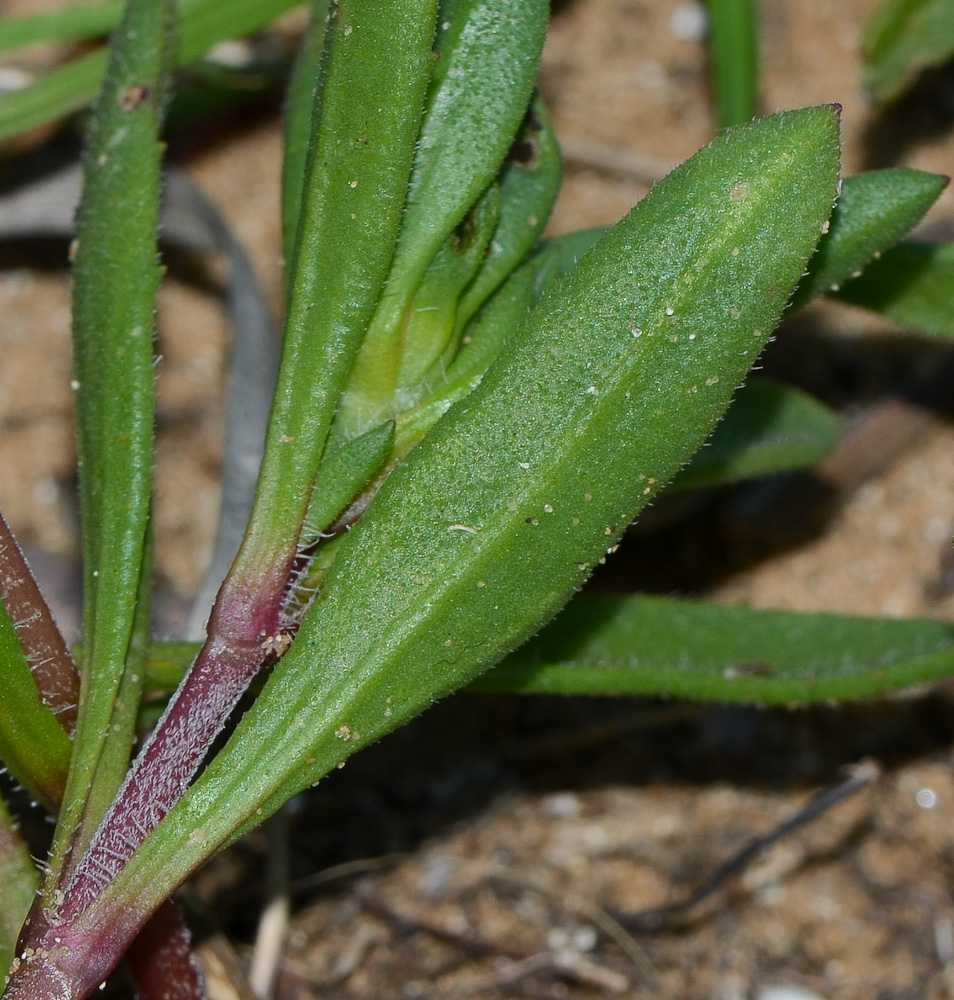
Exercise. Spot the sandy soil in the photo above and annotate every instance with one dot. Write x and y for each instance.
(508, 851)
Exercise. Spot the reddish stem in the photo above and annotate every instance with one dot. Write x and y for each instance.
(51, 664)
(68, 955)
(241, 641)
(161, 961)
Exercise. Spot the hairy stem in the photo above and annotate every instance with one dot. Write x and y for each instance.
(50, 661)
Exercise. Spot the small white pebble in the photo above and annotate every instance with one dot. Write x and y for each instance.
(232, 54)
(926, 798)
(786, 991)
(562, 805)
(12, 79)
(689, 22)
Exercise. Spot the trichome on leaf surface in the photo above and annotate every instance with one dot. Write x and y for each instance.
(464, 423)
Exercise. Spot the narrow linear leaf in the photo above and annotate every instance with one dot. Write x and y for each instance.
(358, 168)
(343, 475)
(71, 87)
(51, 664)
(34, 747)
(358, 172)
(116, 276)
(647, 646)
(874, 210)
(73, 23)
(18, 884)
(903, 38)
(769, 428)
(60, 92)
(529, 182)
(502, 511)
(302, 103)
(911, 285)
(427, 333)
(603, 645)
(489, 53)
(558, 256)
(734, 51)
(47, 207)
(207, 22)
(168, 662)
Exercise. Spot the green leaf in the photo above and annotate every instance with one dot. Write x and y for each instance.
(911, 285)
(68, 24)
(358, 168)
(642, 645)
(301, 105)
(734, 48)
(34, 747)
(769, 428)
(116, 277)
(558, 256)
(903, 38)
(431, 317)
(71, 87)
(207, 22)
(489, 54)
(60, 92)
(359, 162)
(874, 210)
(529, 182)
(357, 173)
(342, 476)
(484, 339)
(489, 525)
(18, 884)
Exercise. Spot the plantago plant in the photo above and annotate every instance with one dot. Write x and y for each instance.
(464, 423)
